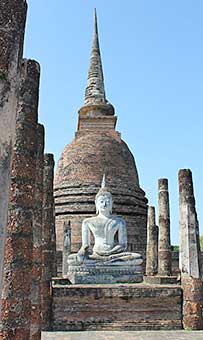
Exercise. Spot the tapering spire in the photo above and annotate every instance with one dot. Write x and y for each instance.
(95, 92)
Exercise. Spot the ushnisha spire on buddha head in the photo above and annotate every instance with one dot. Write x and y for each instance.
(103, 192)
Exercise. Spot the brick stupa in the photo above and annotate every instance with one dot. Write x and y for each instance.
(97, 149)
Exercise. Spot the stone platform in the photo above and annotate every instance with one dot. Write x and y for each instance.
(116, 307)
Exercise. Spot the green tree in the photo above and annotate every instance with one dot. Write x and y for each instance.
(175, 248)
(201, 242)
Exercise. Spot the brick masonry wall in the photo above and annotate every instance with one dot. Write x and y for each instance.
(117, 307)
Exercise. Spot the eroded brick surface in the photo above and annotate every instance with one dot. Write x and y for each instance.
(117, 307)
(164, 262)
(35, 328)
(152, 243)
(17, 274)
(192, 303)
(12, 23)
(48, 242)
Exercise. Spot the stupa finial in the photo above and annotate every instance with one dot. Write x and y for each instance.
(95, 92)
(95, 25)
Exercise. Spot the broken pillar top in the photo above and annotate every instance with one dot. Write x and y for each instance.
(186, 185)
(163, 184)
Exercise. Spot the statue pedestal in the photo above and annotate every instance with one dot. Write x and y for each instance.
(104, 274)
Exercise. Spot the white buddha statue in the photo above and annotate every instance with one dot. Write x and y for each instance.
(104, 227)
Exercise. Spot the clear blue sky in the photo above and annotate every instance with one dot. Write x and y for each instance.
(152, 56)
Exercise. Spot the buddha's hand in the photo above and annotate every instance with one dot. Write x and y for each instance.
(84, 251)
(117, 249)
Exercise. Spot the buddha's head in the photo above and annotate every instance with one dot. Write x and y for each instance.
(103, 200)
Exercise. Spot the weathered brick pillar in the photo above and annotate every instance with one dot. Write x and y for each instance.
(48, 242)
(190, 257)
(17, 273)
(164, 253)
(12, 26)
(152, 243)
(35, 329)
(66, 248)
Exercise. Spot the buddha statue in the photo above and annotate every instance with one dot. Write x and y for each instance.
(106, 252)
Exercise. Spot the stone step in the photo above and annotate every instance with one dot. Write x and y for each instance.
(138, 335)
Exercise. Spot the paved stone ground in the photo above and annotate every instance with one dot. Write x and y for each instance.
(142, 335)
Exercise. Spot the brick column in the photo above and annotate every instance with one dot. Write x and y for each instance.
(164, 266)
(49, 242)
(16, 297)
(190, 256)
(152, 244)
(12, 26)
(35, 329)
